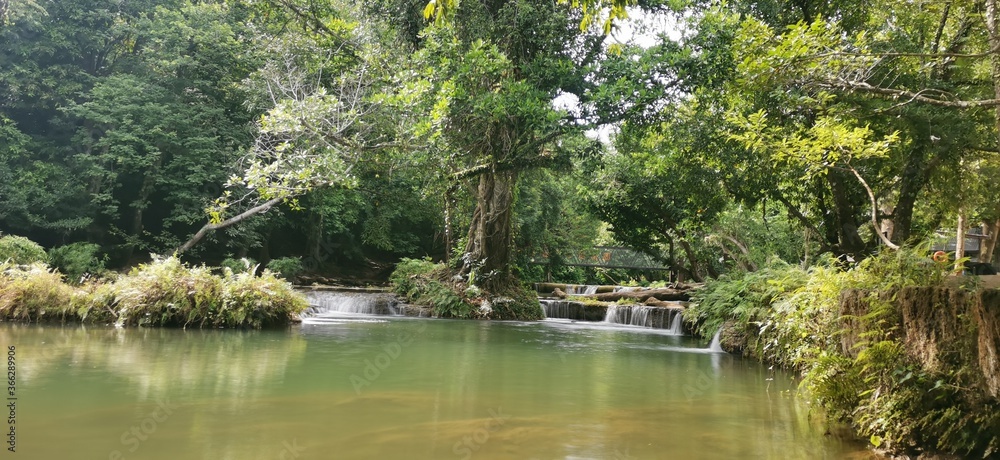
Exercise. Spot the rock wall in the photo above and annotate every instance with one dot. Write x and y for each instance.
(942, 328)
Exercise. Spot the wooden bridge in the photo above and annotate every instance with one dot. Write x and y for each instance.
(607, 257)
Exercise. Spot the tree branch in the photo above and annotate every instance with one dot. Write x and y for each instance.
(874, 203)
(913, 96)
(228, 222)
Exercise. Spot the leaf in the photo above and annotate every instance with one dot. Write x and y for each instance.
(429, 9)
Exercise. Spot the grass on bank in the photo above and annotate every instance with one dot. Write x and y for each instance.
(164, 292)
(792, 317)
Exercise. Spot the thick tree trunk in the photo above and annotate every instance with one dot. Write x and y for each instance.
(488, 250)
(989, 244)
(847, 228)
(913, 180)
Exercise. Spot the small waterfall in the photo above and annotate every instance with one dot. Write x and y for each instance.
(555, 308)
(581, 289)
(615, 313)
(715, 346)
(639, 315)
(333, 303)
(677, 324)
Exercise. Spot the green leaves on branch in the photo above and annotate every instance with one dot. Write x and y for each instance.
(830, 142)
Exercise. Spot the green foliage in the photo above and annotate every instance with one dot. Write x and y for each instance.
(20, 250)
(426, 283)
(36, 293)
(423, 282)
(744, 299)
(164, 292)
(405, 279)
(258, 301)
(167, 292)
(793, 318)
(287, 268)
(77, 260)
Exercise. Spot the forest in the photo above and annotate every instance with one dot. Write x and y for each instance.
(800, 158)
(350, 135)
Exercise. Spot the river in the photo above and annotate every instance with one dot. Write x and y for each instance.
(367, 387)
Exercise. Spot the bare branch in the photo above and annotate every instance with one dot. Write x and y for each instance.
(874, 203)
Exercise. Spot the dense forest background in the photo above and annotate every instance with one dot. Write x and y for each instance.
(349, 135)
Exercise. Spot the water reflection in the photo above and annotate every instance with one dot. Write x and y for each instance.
(432, 389)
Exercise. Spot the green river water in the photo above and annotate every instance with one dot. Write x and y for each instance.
(399, 388)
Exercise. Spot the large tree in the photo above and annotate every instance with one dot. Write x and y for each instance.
(487, 77)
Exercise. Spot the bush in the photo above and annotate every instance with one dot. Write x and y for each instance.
(407, 278)
(742, 299)
(258, 301)
(167, 292)
(77, 260)
(36, 293)
(423, 282)
(21, 251)
(855, 363)
(164, 292)
(287, 268)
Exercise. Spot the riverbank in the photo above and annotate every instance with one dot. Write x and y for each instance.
(164, 292)
(904, 353)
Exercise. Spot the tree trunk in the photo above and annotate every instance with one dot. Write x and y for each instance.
(689, 252)
(847, 228)
(913, 179)
(488, 250)
(960, 240)
(989, 244)
(210, 227)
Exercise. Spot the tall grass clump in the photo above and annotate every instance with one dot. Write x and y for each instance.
(19, 250)
(33, 293)
(258, 301)
(166, 292)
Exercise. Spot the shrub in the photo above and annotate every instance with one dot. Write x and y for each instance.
(287, 268)
(258, 301)
(426, 283)
(36, 293)
(167, 292)
(406, 279)
(743, 299)
(77, 260)
(164, 292)
(21, 251)
(794, 319)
